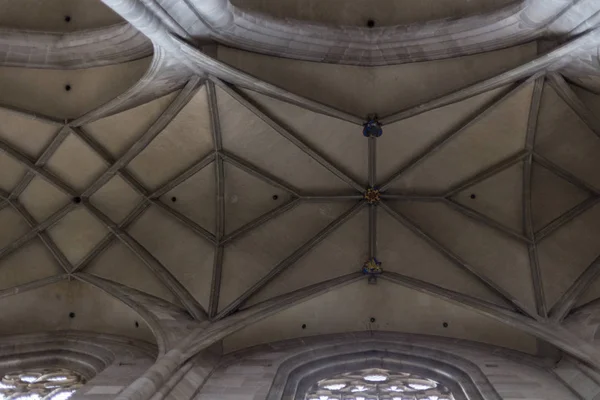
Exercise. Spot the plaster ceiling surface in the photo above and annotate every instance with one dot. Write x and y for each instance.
(382, 90)
(240, 198)
(56, 15)
(383, 12)
(382, 307)
(67, 93)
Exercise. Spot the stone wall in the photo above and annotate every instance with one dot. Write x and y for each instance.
(262, 372)
(197, 374)
(116, 377)
(583, 380)
(506, 375)
(109, 363)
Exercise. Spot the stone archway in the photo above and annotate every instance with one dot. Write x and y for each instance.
(378, 383)
(462, 378)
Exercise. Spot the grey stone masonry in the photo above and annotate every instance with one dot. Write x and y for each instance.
(582, 381)
(108, 363)
(85, 49)
(250, 374)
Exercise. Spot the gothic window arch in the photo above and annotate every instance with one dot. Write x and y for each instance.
(40, 384)
(378, 384)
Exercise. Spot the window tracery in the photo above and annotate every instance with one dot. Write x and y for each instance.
(378, 384)
(40, 384)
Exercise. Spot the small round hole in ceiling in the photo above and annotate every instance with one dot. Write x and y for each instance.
(275, 197)
(473, 196)
(71, 315)
(67, 18)
(371, 23)
(445, 324)
(303, 326)
(173, 199)
(77, 200)
(68, 88)
(372, 319)
(137, 324)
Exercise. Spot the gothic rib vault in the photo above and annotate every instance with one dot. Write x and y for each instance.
(152, 199)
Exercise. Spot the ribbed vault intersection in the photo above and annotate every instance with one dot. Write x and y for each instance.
(249, 200)
(226, 178)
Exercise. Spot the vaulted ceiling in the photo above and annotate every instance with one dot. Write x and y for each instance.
(358, 12)
(56, 16)
(211, 197)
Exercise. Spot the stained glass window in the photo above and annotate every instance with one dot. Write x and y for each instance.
(378, 384)
(40, 384)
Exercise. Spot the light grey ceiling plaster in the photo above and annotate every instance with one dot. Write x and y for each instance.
(382, 12)
(51, 16)
(262, 173)
(129, 195)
